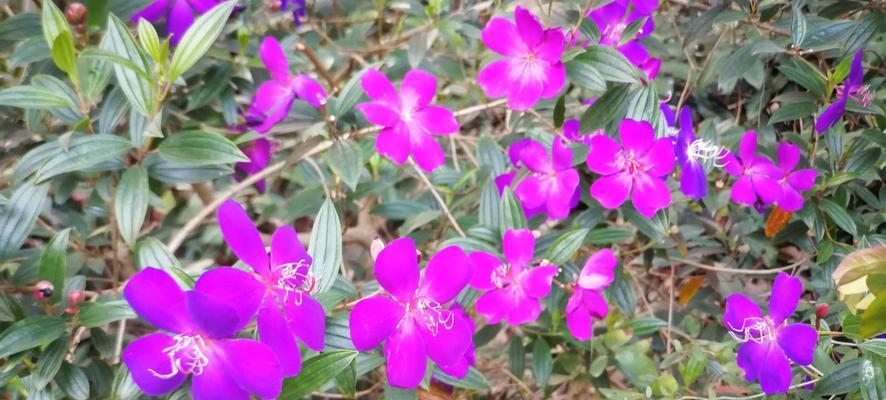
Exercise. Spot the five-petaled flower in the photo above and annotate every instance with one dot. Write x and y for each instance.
(180, 14)
(757, 175)
(586, 302)
(792, 183)
(412, 318)
(280, 288)
(514, 288)
(408, 118)
(642, 165)
(531, 68)
(768, 341)
(200, 342)
(852, 88)
(552, 181)
(612, 20)
(274, 98)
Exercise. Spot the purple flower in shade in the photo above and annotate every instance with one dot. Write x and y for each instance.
(299, 10)
(259, 153)
(757, 175)
(851, 88)
(769, 341)
(792, 183)
(408, 118)
(572, 132)
(552, 181)
(642, 165)
(412, 318)
(274, 98)
(613, 18)
(692, 154)
(199, 342)
(280, 288)
(459, 369)
(531, 68)
(180, 14)
(586, 302)
(513, 288)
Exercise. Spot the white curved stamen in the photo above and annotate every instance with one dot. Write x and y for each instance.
(185, 356)
(755, 329)
(434, 315)
(706, 151)
(296, 279)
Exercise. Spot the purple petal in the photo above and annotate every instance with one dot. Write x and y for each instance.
(571, 130)
(525, 310)
(270, 105)
(786, 292)
(525, 91)
(635, 52)
(515, 151)
(379, 88)
(500, 35)
(274, 332)
(650, 195)
(494, 79)
(215, 383)
(396, 269)
(528, 28)
(788, 156)
(603, 155)
(739, 309)
(373, 320)
(426, 151)
(660, 158)
(253, 366)
(211, 316)
(144, 355)
(560, 194)
(598, 271)
(535, 157)
(743, 191)
(594, 303)
(152, 12)
(578, 320)
(803, 179)
(417, 89)
(446, 345)
(561, 154)
(203, 6)
(749, 355)
(495, 305)
(856, 73)
(798, 342)
(394, 143)
(504, 180)
(157, 299)
(791, 200)
(692, 180)
(775, 374)
(235, 288)
(519, 246)
(180, 18)
(286, 248)
(636, 136)
(529, 192)
(748, 147)
(272, 56)
(446, 275)
(555, 78)
(768, 189)
(537, 281)
(612, 190)
(242, 236)
(437, 120)
(483, 264)
(552, 48)
(732, 165)
(406, 355)
(309, 90)
(832, 114)
(307, 319)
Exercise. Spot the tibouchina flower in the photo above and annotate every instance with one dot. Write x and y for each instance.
(851, 88)
(408, 118)
(757, 175)
(531, 68)
(412, 318)
(613, 18)
(280, 289)
(552, 181)
(299, 10)
(692, 154)
(460, 367)
(572, 132)
(199, 342)
(180, 14)
(259, 153)
(793, 183)
(641, 167)
(586, 302)
(769, 341)
(514, 288)
(273, 99)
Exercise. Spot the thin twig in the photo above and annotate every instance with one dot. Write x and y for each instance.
(756, 396)
(440, 201)
(118, 346)
(737, 270)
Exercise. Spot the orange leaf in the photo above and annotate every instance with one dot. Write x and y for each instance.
(776, 221)
(688, 290)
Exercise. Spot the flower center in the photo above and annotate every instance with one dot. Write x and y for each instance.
(499, 276)
(186, 356)
(613, 32)
(433, 314)
(706, 151)
(627, 161)
(755, 329)
(295, 279)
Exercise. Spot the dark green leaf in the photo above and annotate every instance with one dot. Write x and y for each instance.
(30, 332)
(606, 109)
(511, 212)
(83, 152)
(582, 73)
(474, 380)
(18, 216)
(32, 97)
(604, 236)
(840, 217)
(199, 38)
(135, 86)
(316, 372)
(610, 64)
(195, 149)
(798, 27)
(793, 111)
(542, 363)
(94, 314)
(566, 245)
(346, 160)
(843, 379)
(325, 247)
(73, 382)
(647, 326)
(517, 357)
(873, 377)
(53, 263)
(50, 361)
(131, 203)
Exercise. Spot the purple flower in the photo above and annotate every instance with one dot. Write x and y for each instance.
(280, 288)
(586, 302)
(572, 132)
(408, 118)
(199, 342)
(642, 165)
(513, 288)
(459, 369)
(259, 153)
(851, 88)
(613, 18)
(299, 10)
(768, 341)
(181, 14)
(793, 183)
(552, 181)
(531, 68)
(692, 153)
(757, 175)
(412, 318)
(274, 98)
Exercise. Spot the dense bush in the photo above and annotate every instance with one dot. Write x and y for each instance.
(442, 199)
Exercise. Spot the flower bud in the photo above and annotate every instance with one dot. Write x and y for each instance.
(76, 13)
(821, 311)
(70, 310)
(376, 247)
(75, 297)
(276, 6)
(43, 291)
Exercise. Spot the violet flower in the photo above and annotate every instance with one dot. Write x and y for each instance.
(259, 153)
(552, 181)
(586, 302)
(280, 288)
(200, 342)
(459, 369)
(642, 165)
(408, 118)
(692, 154)
(769, 341)
(531, 67)
(757, 175)
(274, 98)
(793, 183)
(851, 88)
(613, 18)
(412, 318)
(299, 10)
(513, 288)
(572, 132)
(179, 16)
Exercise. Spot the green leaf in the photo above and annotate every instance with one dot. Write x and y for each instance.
(115, 59)
(50, 361)
(346, 160)
(865, 28)
(30, 332)
(73, 382)
(560, 111)
(805, 75)
(793, 111)
(877, 346)
(83, 152)
(124, 387)
(18, 216)
(542, 363)
(54, 23)
(873, 377)
(150, 252)
(606, 109)
(636, 366)
(64, 55)
(474, 380)
(582, 73)
(589, 30)
(517, 357)
(135, 86)
(798, 27)
(622, 292)
(604, 236)
(843, 379)
(562, 250)
(873, 320)
(149, 40)
(53, 263)
(510, 213)
(316, 372)
(131, 203)
(325, 247)
(489, 205)
(31, 97)
(858, 264)
(489, 155)
(840, 217)
(195, 148)
(93, 314)
(610, 64)
(199, 38)
(647, 326)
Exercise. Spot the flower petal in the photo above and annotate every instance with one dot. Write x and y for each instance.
(535, 157)
(286, 248)
(483, 264)
(598, 271)
(406, 355)
(309, 90)
(527, 309)
(561, 194)
(519, 246)
(831, 115)
(594, 303)
(272, 56)
(650, 195)
(743, 191)
(561, 154)
(529, 29)
(495, 79)
(495, 305)
(252, 365)
(157, 299)
(394, 143)
(578, 320)
(747, 149)
(242, 236)
(732, 165)
(525, 91)
(446, 346)
(270, 105)
(552, 48)
(636, 136)
(537, 281)
(180, 18)
(786, 292)
(152, 12)
(417, 89)
(612, 190)
(379, 88)
(798, 342)
(500, 35)
(768, 189)
(856, 72)
(603, 155)
(437, 120)
(215, 384)
(425, 150)
(145, 355)
(274, 332)
(530, 193)
(692, 180)
(396, 269)
(211, 316)
(307, 319)
(776, 378)
(803, 179)
(788, 156)
(555, 78)
(791, 200)
(739, 309)
(373, 320)
(660, 158)
(446, 275)
(235, 288)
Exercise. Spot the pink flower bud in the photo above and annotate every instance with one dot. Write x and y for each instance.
(821, 311)
(43, 291)
(76, 13)
(75, 297)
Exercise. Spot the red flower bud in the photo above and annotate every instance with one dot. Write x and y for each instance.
(71, 310)
(75, 297)
(276, 6)
(43, 291)
(76, 13)
(821, 311)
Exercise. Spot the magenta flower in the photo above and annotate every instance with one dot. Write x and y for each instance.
(459, 369)
(200, 342)
(412, 318)
(793, 183)
(552, 181)
(851, 88)
(586, 302)
(180, 14)
(531, 68)
(642, 165)
(769, 341)
(692, 154)
(613, 18)
(408, 118)
(513, 288)
(572, 132)
(280, 288)
(259, 153)
(757, 175)
(274, 98)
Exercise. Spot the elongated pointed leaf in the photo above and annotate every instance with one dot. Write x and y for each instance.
(53, 263)
(325, 246)
(135, 86)
(83, 152)
(199, 38)
(32, 97)
(200, 148)
(131, 203)
(316, 372)
(18, 216)
(511, 212)
(54, 23)
(29, 333)
(566, 245)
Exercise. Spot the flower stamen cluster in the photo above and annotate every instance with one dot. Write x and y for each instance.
(185, 356)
